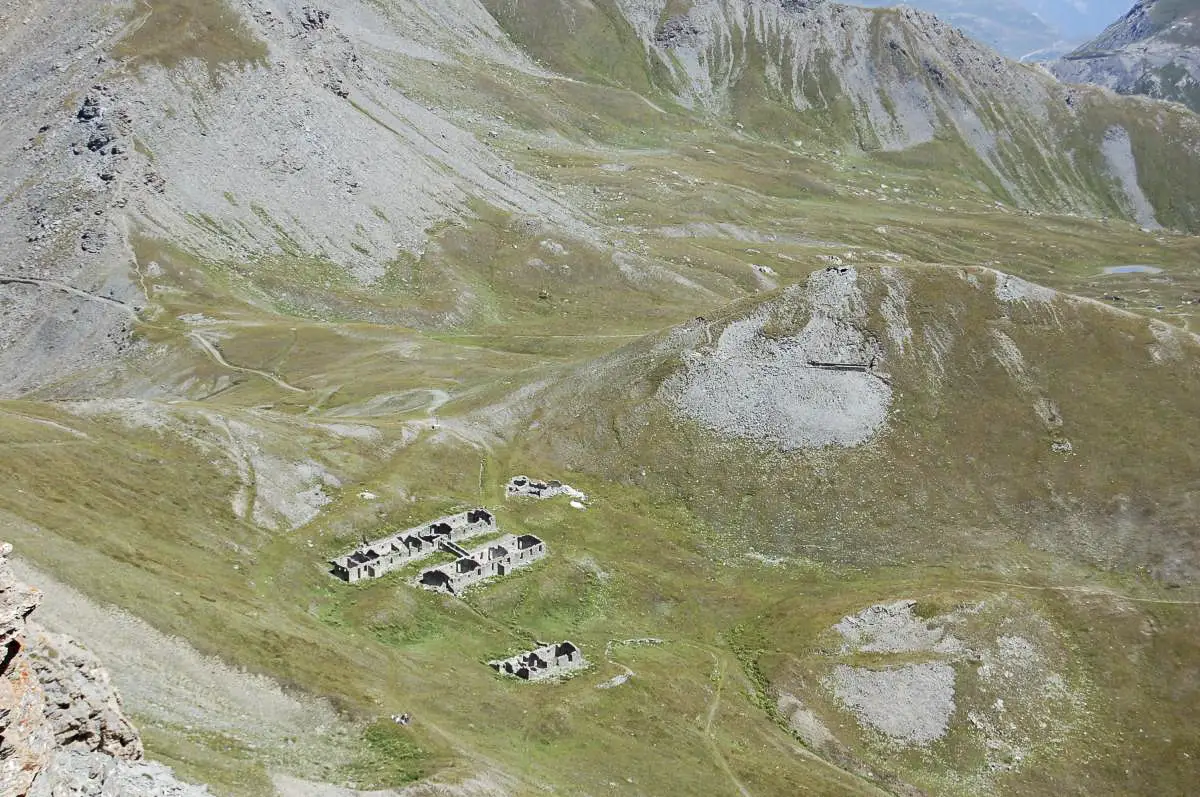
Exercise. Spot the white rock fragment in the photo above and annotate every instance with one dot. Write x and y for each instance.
(1015, 289)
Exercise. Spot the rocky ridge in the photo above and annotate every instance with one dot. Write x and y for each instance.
(885, 80)
(62, 729)
(1009, 26)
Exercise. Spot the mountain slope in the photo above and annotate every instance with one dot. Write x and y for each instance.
(920, 420)
(892, 374)
(282, 275)
(64, 731)
(1008, 27)
(355, 173)
(1153, 50)
(896, 81)
(1026, 30)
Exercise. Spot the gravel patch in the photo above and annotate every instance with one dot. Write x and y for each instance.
(774, 391)
(485, 785)
(1118, 153)
(1167, 344)
(911, 705)
(803, 722)
(1015, 289)
(893, 628)
(1016, 698)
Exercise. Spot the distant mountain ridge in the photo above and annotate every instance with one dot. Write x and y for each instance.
(882, 80)
(1028, 30)
(1154, 49)
(1007, 25)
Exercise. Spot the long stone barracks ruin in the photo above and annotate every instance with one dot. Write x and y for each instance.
(525, 487)
(374, 559)
(547, 661)
(494, 559)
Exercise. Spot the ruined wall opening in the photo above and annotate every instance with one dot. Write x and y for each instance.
(11, 649)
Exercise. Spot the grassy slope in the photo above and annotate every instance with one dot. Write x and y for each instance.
(592, 39)
(964, 490)
(118, 514)
(966, 450)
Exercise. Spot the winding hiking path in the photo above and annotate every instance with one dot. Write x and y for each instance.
(713, 707)
(1094, 591)
(10, 279)
(62, 427)
(212, 351)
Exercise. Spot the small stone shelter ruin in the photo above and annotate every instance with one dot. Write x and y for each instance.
(525, 487)
(494, 559)
(546, 661)
(374, 559)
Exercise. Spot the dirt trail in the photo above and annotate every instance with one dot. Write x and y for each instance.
(1096, 591)
(9, 279)
(713, 707)
(624, 677)
(62, 427)
(215, 353)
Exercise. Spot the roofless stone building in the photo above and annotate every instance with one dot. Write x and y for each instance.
(494, 559)
(374, 559)
(497, 558)
(546, 661)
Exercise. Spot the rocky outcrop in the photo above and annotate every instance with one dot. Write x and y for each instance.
(99, 775)
(81, 704)
(1133, 27)
(1152, 50)
(26, 738)
(62, 730)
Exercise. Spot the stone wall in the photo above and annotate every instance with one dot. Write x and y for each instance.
(525, 487)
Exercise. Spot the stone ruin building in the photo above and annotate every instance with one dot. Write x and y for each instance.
(374, 559)
(546, 661)
(494, 559)
(523, 486)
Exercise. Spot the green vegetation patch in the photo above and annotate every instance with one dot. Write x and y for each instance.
(391, 757)
(169, 32)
